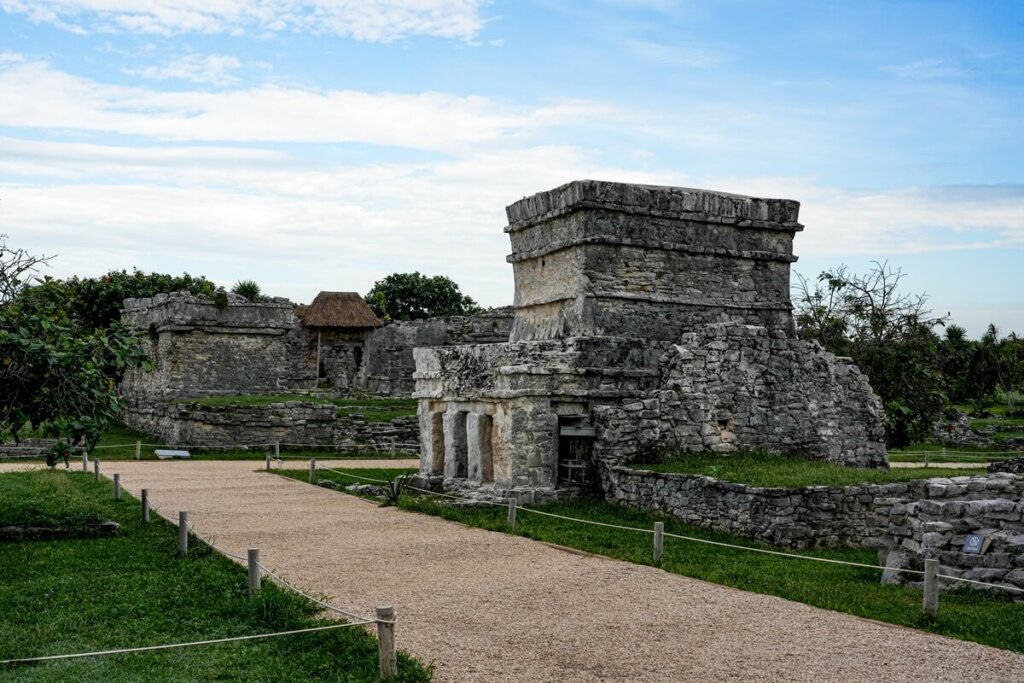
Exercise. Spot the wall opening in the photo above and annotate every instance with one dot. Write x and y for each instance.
(575, 449)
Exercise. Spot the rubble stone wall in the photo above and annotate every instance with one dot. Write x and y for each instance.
(291, 422)
(867, 515)
(733, 387)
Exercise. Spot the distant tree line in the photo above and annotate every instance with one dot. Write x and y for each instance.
(917, 373)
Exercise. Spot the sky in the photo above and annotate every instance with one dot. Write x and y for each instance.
(323, 144)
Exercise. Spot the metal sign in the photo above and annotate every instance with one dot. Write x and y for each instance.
(976, 544)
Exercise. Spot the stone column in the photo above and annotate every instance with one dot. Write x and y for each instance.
(432, 443)
(455, 461)
(478, 447)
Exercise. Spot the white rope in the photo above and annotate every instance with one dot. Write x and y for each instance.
(152, 648)
(326, 605)
(981, 583)
(587, 521)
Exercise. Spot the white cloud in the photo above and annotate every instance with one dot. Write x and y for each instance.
(373, 21)
(210, 69)
(39, 96)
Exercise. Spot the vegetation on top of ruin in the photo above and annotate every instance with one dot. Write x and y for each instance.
(248, 289)
(140, 592)
(414, 296)
(773, 470)
(967, 614)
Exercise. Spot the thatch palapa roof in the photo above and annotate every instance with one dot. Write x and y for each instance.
(339, 309)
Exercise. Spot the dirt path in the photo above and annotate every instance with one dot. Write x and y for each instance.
(485, 606)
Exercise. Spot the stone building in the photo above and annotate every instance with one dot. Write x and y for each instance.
(339, 325)
(646, 320)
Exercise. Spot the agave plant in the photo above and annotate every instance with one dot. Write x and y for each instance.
(247, 288)
(394, 489)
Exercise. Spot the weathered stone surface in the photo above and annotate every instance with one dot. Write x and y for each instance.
(646, 319)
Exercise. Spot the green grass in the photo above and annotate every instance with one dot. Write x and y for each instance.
(51, 501)
(1005, 424)
(372, 409)
(134, 589)
(761, 469)
(964, 613)
(380, 473)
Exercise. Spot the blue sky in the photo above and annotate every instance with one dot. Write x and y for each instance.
(322, 144)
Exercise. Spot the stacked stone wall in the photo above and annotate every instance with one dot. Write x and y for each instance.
(866, 515)
(290, 422)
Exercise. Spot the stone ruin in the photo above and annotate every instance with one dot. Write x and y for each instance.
(647, 320)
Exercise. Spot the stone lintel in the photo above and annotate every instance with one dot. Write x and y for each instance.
(721, 252)
(683, 203)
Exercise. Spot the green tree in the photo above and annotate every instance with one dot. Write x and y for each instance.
(96, 301)
(413, 296)
(888, 334)
(955, 354)
(58, 373)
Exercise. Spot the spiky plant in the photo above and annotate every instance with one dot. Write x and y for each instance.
(248, 289)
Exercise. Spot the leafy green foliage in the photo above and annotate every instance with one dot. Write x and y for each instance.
(888, 334)
(56, 373)
(248, 289)
(394, 489)
(413, 296)
(96, 301)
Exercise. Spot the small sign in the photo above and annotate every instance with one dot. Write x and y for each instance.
(976, 544)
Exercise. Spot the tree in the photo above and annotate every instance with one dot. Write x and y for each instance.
(413, 296)
(888, 334)
(58, 373)
(96, 301)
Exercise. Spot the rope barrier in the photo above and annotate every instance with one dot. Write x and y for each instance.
(981, 583)
(153, 648)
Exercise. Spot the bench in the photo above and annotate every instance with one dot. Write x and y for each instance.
(165, 454)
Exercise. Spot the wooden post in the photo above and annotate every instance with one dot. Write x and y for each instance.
(511, 513)
(659, 541)
(931, 588)
(926, 458)
(145, 506)
(96, 468)
(183, 532)
(254, 571)
(117, 487)
(277, 450)
(312, 470)
(138, 450)
(85, 462)
(268, 462)
(386, 643)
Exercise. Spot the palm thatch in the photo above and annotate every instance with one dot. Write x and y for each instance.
(339, 310)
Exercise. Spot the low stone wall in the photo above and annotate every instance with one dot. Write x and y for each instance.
(290, 422)
(867, 515)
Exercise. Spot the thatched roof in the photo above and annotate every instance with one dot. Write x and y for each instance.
(339, 309)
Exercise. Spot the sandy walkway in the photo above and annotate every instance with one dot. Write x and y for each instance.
(490, 607)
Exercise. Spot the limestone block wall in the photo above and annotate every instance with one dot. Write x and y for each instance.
(389, 364)
(290, 422)
(599, 258)
(733, 387)
(868, 515)
(199, 348)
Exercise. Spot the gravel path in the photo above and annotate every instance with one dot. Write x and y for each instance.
(486, 606)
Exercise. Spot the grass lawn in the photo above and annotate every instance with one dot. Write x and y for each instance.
(133, 589)
(964, 613)
(372, 409)
(759, 469)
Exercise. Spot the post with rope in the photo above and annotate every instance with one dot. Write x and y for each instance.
(312, 470)
(659, 541)
(931, 588)
(277, 450)
(85, 461)
(254, 571)
(512, 513)
(117, 487)
(386, 643)
(268, 462)
(183, 532)
(138, 450)
(145, 506)
(96, 468)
